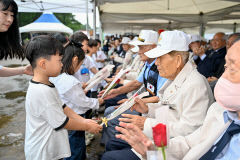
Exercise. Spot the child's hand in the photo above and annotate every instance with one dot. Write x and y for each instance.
(100, 101)
(84, 85)
(93, 126)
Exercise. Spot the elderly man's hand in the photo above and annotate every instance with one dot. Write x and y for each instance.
(122, 101)
(211, 79)
(140, 106)
(134, 119)
(135, 137)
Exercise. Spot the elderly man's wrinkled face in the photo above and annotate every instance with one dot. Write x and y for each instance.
(168, 65)
(218, 41)
(230, 41)
(116, 42)
(143, 49)
(232, 71)
(195, 46)
(126, 47)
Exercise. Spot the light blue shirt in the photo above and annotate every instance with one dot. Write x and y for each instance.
(203, 57)
(1, 67)
(232, 150)
(160, 81)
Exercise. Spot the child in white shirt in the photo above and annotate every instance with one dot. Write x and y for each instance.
(83, 74)
(47, 118)
(72, 94)
(100, 57)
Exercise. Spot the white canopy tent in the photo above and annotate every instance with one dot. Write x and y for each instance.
(56, 6)
(168, 14)
(46, 23)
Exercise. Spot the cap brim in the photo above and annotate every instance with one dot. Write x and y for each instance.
(139, 43)
(135, 49)
(156, 52)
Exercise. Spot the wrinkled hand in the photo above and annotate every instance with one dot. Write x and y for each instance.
(28, 70)
(109, 79)
(112, 57)
(122, 101)
(135, 137)
(92, 126)
(139, 106)
(111, 94)
(211, 79)
(134, 119)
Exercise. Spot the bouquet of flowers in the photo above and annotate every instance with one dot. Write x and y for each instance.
(116, 80)
(126, 105)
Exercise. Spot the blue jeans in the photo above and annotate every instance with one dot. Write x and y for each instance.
(77, 145)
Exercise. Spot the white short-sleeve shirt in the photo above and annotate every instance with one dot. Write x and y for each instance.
(83, 74)
(99, 56)
(72, 94)
(45, 137)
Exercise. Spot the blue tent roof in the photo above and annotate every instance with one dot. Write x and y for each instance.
(47, 17)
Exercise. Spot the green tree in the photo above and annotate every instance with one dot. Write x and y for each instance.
(66, 18)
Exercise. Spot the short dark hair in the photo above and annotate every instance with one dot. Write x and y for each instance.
(92, 43)
(98, 40)
(78, 37)
(60, 37)
(10, 46)
(72, 49)
(42, 46)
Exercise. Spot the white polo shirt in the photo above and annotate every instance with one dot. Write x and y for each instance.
(45, 137)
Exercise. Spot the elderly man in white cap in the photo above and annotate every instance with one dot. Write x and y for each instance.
(148, 77)
(183, 100)
(135, 64)
(126, 48)
(218, 137)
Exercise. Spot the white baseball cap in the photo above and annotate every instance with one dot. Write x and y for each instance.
(146, 37)
(170, 41)
(136, 48)
(195, 38)
(125, 40)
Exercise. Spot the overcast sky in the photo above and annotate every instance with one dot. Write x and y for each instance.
(81, 17)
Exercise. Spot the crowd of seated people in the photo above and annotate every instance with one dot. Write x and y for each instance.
(192, 86)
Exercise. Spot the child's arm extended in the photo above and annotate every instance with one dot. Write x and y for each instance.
(77, 122)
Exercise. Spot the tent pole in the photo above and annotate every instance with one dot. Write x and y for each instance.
(234, 27)
(87, 16)
(94, 19)
(202, 27)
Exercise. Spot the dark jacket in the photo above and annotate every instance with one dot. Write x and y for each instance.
(218, 62)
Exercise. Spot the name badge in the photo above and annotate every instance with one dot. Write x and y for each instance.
(150, 88)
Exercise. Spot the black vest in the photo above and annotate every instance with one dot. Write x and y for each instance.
(152, 79)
